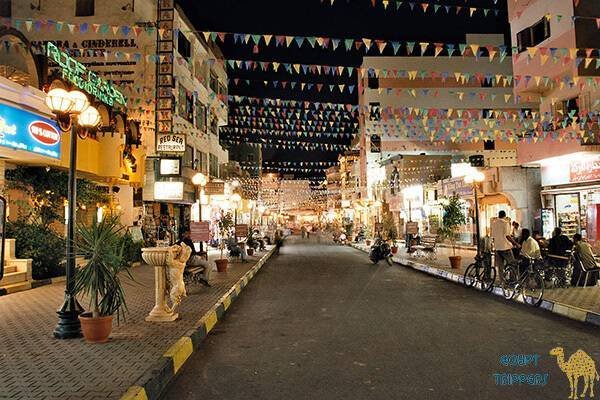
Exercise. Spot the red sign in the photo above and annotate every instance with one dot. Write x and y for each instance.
(241, 231)
(44, 132)
(584, 170)
(200, 231)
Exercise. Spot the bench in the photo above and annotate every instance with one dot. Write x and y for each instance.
(428, 244)
(197, 274)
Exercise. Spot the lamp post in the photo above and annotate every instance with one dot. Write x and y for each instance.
(199, 180)
(72, 110)
(235, 198)
(475, 177)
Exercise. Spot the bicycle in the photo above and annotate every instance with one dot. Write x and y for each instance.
(529, 283)
(480, 272)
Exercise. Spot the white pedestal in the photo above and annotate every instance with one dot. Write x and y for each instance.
(156, 257)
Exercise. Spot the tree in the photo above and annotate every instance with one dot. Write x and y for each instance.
(389, 227)
(453, 219)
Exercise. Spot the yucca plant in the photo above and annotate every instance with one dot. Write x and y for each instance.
(102, 244)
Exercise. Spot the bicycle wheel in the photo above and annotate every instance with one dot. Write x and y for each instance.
(487, 279)
(471, 275)
(510, 279)
(533, 289)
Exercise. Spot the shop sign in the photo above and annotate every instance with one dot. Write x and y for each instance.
(170, 167)
(168, 190)
(584, 170)
(170, 143)
(200, 231)
(214, 189)
(23, 130)
(241, 230)
(412, 228)
(375, 144)
(86, 80)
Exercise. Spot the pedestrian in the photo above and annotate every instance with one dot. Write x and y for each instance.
(503, 242)
(303, 230)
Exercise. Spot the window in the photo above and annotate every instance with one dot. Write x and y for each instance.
(250, 158)
(201, 116)
(84, 8)
(202, 162)
(188, 157)
(214, 166)
(373, 82)
(184, 46)
(5, 8)
(186, 104)
(214, 124)
(489, 145)
(533, 35)
(214, 82)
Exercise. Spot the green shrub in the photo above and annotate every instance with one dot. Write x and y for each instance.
(132, 251)
(40, 243)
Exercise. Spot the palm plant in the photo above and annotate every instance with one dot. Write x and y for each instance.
(102, 244)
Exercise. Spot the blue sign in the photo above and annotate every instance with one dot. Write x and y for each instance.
(24, 130)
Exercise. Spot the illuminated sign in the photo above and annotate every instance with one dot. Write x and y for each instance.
(24, 130)
(170, 143)
(86, 80)
(170, 166)
(168, 190)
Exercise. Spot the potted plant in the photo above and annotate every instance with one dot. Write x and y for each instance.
(225, 225)
(453, 219)
(391, 231)
(102, 245)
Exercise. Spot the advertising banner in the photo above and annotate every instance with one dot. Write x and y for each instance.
(24, 130)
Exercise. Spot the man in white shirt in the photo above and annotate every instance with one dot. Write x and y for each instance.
(529, 246)
(503, 242)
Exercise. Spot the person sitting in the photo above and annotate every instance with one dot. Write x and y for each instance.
(198, 259)
(258, 237)
(529, 246)
(235, 250)
(559, 244)
(584, 254)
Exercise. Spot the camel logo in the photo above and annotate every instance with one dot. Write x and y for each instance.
(580, 364)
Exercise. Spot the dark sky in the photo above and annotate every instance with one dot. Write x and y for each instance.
(346, 19)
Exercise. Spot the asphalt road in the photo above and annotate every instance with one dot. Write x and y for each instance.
(321, 322)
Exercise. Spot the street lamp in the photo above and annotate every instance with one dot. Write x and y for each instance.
(200, 180)
(236, 198)
(475, 177)
(72, 110)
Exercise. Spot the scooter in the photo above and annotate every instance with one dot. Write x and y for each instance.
(381, 251)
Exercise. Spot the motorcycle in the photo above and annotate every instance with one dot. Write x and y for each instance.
(381, 250)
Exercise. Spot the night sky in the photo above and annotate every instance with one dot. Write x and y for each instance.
(346, 19)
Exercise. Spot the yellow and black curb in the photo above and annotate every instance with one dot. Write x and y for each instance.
(156, 378)
(554, 307)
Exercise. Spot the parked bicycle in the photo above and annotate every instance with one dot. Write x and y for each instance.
(525, 277)
(480, 273)
(558, 270)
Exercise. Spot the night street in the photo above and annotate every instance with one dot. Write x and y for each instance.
(321, 322)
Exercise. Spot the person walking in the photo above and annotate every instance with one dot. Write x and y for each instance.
(503, 242)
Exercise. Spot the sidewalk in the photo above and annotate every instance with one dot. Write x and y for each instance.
(34, 365)
(582, 304)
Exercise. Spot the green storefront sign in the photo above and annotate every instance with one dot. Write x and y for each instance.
(86, 80)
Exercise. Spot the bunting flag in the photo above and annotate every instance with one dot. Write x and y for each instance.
(427, 8)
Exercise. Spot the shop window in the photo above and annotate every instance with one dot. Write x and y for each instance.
(489, 145)
(373, 82)
(568, 215)
(533, 35)
(84, 8)
(184, 46)
(201, 116)
(6, 8)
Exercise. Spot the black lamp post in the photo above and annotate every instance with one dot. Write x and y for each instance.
(73, 111)
(475, 178)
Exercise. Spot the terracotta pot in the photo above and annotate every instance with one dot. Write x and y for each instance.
(368, 242)
(455, 262)
(95, 330)
(394, 249)
(250, 251)
(221, 265)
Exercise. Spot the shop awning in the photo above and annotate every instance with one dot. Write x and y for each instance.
(493, 199)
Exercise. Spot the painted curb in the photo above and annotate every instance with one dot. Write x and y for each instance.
(157, 377)
(564, 310)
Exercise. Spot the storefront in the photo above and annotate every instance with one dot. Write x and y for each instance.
(571, 195)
